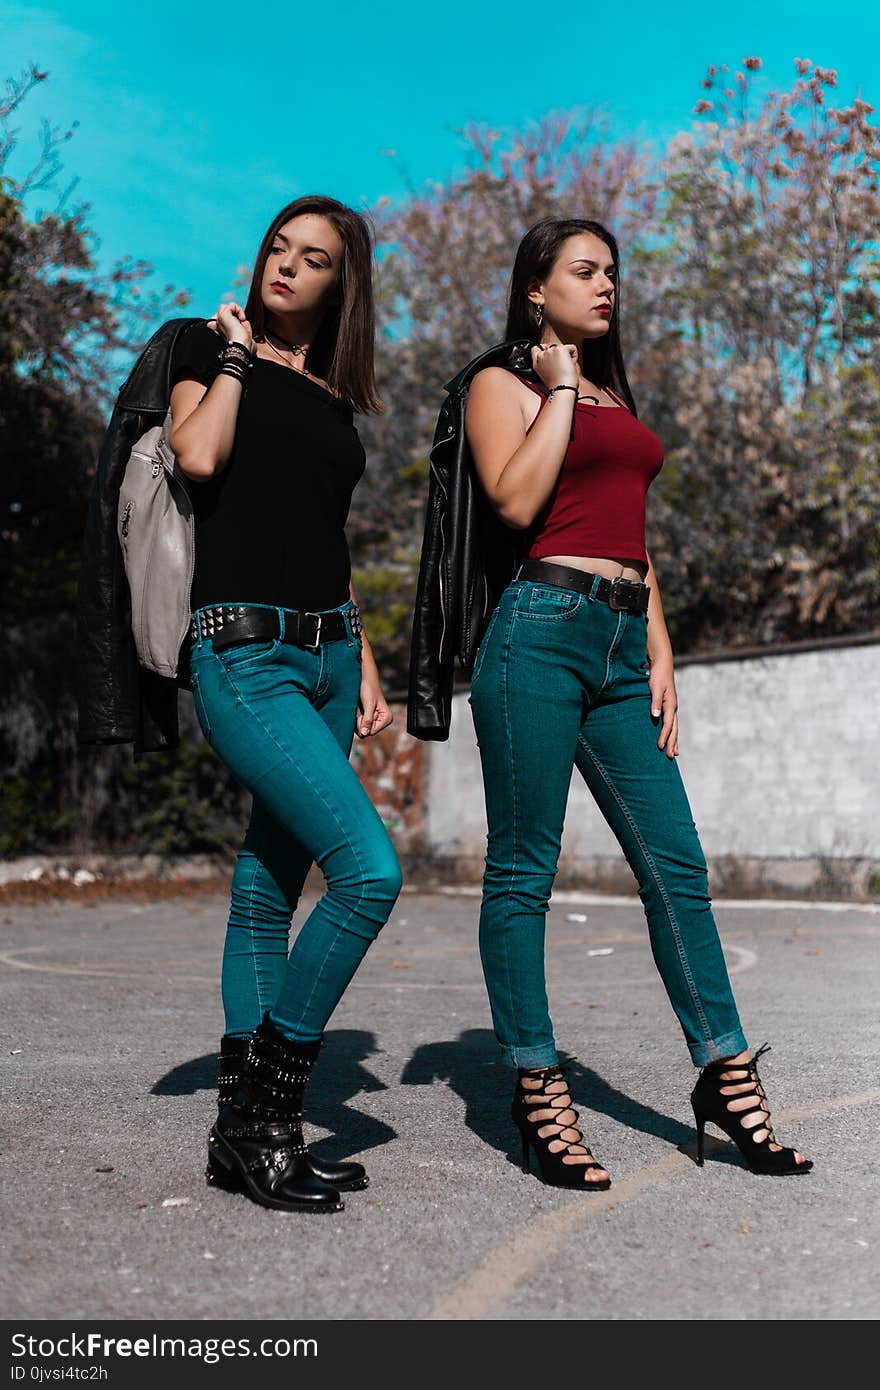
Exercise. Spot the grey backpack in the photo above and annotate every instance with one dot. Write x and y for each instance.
(157, 535)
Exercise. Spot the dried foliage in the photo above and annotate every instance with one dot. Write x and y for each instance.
(749, 296)
(66, 328)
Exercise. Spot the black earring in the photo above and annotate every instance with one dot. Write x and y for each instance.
(539, 314)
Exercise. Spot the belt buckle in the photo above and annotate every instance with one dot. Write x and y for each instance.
(619, 605)
(313, 646)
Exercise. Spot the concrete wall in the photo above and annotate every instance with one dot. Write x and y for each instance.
(780, 756)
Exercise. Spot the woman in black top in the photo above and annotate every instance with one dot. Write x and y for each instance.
(283, 674)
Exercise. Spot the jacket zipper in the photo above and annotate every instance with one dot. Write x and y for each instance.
(440, 563)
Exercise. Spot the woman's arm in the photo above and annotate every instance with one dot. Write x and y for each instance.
(661, 679)
(374, 714)
(517, 469)
(203, 422)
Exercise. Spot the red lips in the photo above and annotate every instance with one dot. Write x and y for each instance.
(277, 285)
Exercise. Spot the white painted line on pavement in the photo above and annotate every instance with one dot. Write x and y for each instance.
(572, 895)
(107, 971)
(746, 960)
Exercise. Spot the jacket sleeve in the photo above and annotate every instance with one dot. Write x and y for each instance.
(432, 643)
(107, 669)
(431, 669)
(118, 701)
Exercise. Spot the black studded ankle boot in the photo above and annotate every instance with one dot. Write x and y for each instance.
(233, 1055)
(345, 1176)
(257, 1140)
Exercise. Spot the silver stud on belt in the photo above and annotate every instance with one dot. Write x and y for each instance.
(212, 620)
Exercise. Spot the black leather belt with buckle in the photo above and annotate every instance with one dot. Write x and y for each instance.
(621, 595)
(240, 622)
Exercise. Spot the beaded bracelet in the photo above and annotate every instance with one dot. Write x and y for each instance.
(236, 361)
(238, 354)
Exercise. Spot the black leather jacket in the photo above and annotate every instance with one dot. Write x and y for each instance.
(468, 557)
(120, 702)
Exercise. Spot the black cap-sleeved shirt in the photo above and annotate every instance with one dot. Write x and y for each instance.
(270, 527)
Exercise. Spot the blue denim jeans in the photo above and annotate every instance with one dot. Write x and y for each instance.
(561, 680)
(282, 719)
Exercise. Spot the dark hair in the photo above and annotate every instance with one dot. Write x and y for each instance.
(342, 352)
(535, 258)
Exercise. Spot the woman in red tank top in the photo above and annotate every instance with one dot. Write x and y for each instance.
(575, 669)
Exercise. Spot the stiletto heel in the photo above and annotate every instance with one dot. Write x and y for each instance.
(719, 1086)
(545, 1116)
(701, 1131)
(526, 1156)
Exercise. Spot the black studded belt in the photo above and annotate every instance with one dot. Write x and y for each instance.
(622, 595)
(241, 622)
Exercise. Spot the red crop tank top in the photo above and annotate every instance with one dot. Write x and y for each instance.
(597, 506)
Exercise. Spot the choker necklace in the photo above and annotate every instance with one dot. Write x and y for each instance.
(298, 349)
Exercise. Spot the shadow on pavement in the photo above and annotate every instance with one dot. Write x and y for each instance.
(471, 1066)
(338, 1077)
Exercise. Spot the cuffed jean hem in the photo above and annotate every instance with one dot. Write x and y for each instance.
(545, 1056)
(727, 1046)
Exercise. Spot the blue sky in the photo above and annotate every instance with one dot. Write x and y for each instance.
(197, 121)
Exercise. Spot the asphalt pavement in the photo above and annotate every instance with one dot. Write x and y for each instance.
(110, 1028)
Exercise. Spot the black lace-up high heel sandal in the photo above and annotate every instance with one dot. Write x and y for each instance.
(718, 1086)
(545, 1118)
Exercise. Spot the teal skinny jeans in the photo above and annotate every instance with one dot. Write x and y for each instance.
(561, 680)
(282, 719)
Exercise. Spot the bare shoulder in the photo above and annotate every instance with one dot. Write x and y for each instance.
(494, 391)
(497, 381)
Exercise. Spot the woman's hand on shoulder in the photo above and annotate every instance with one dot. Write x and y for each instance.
(557, 364)
(231, 323)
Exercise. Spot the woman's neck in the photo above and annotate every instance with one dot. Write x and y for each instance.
(293, 330)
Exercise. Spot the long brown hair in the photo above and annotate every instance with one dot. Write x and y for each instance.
(342, 352)
(535, 258)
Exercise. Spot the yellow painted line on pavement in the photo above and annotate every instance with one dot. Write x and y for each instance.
(517, 1260)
